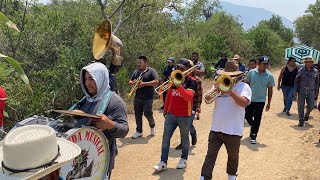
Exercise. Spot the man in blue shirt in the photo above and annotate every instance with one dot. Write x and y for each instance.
(260, 80)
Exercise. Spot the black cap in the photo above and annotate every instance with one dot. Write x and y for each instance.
(183, 63)
(264, 59)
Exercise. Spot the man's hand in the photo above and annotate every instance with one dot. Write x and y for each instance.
(268, 107)
(164, 114)
(278, 88)
(104, 123)
(141, 84)
(295, 94)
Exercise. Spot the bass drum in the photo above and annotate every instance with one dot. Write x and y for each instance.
(93, 162)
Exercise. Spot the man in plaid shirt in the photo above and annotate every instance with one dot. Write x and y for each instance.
(196, 110)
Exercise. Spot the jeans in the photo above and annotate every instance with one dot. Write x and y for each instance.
(192, 129)
(254, 110)
(170, 124)
(143, 106)
(305, 95)
(232, 143)
(287, 96)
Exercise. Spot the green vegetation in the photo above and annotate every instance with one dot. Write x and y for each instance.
(56, 41)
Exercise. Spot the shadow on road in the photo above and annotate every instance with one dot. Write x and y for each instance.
(306, 127)
(170, 173)
(252, 147)
(128, 141)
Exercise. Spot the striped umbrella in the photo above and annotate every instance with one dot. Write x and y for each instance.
(301, 51)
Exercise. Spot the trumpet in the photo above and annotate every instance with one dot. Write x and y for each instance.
(176, 78)
(136, 83)
(223, 83)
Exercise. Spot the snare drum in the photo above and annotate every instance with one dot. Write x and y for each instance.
(93, 162)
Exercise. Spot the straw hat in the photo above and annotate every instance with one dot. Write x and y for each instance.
(236, 57)
(231, 68)
(307, 59)
(34, 151)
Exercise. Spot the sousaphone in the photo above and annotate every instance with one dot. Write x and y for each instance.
(104, 41)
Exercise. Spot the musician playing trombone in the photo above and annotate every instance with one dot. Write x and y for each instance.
(144, 94)
(177, 112)
(227, 122)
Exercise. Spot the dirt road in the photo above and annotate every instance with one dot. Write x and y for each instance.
(284, 151)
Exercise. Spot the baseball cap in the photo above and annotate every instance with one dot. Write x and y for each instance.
(183, 63)
(264, 59)
(170, 59)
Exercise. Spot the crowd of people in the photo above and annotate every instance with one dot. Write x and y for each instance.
(246, 99)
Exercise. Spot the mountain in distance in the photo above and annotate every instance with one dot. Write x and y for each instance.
(251, 16)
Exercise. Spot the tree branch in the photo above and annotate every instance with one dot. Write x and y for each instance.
(103, 8)
(120, 21)
(117, 9)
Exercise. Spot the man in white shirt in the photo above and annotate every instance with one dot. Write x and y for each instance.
(227, 123)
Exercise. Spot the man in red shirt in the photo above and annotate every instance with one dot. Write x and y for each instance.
(177, 111)
(3, 98)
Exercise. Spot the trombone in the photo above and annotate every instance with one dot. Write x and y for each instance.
(176, 78)
(223, 83)
(136, 83)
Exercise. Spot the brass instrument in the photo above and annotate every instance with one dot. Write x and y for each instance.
(136, 83)
(222, 83)
(104, 41)
(176, 78)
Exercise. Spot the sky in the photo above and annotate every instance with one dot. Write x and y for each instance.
(290, 9)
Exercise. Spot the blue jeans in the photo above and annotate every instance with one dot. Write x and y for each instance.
(192, 129)
(287, 96)
(170, 125)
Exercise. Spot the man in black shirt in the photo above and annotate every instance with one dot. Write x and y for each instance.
(166, 74)
(222, 62)
(143, 99)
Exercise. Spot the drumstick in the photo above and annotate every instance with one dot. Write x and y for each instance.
(3, 132)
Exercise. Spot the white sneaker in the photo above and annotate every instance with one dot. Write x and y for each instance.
(232, 177)
(136, 135)
(201, 178)
(153, 131)
(182, 164)
(160, 167)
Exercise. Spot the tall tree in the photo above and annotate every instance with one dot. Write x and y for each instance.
(308, 25)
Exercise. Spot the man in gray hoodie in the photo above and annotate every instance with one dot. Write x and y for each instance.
(100, 100)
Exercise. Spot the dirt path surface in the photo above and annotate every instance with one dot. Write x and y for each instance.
(284, 151)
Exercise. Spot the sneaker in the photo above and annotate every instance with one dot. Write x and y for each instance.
(306, 118)
(178, 147)
(136, 135)
(232, 177)
(201, 178)
(153, 131)
(194, 139)
(182, 164)
(253, 139)
(301, 124)
(160, 167)
(288, 113)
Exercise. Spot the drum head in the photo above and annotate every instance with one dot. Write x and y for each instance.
(93, 162)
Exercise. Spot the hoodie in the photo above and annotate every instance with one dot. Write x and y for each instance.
(116, 109)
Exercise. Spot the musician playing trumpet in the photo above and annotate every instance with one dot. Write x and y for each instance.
(144, 78)
(227, 122)
(177, 112)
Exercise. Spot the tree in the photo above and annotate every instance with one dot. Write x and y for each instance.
(308, 25)
(267, 42)
(275, 23)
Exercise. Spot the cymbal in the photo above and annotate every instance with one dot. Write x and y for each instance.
(76, 113)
